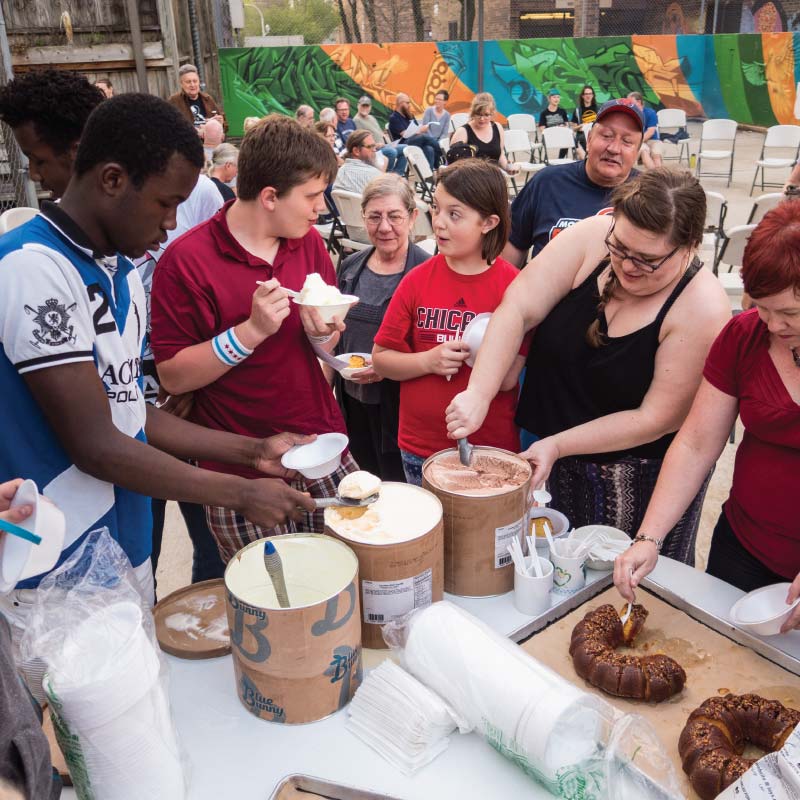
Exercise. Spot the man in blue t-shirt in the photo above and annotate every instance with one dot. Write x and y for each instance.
(344, 124)
(72, 328)
(652, 152)
(559, 196)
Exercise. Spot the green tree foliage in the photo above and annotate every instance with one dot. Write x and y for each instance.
(315, 20)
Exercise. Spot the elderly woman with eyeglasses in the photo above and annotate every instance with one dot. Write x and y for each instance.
(370, 404)
(624, 316)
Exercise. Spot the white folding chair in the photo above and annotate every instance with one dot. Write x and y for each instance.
(732, 254)
(444, 144)
(518, 151)
(762, 204)
(527, 123)
(722, 132)
(428, 245)
(418, 165)
(671, 120)
(714, 229)
(457, 120)
(14, 217)
(785, 139)
(422, 228)
(349, 206)
(558, 138)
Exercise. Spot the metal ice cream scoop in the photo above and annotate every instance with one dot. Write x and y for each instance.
(465, 450)
(328, 502)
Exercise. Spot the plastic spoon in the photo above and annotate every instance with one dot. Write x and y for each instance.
(627, 615)
(534, 558)
(15, 530)
(291, 292)
(541, 496)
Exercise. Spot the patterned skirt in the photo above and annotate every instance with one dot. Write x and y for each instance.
(616, 493)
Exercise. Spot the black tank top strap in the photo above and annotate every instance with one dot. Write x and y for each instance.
(687, 276)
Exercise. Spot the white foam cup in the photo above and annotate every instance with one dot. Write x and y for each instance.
(108, 665)
(569, 573)
(532, 593)
(21, 559)
(319, 458)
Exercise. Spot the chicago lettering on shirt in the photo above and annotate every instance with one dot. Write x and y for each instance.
(442, 324)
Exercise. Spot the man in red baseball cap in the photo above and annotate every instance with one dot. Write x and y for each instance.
(559, 196)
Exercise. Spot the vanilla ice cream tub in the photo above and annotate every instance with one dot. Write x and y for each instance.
(485, 508)
(400, 549)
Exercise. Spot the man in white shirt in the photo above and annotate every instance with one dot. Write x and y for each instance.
(360, 166)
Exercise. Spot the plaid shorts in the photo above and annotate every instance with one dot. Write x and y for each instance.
(232, 531)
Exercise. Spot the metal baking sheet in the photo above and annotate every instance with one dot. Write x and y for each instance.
(307, 787)
(716, 623)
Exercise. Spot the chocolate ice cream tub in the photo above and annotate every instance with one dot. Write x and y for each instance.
(485, 509)
(399, 543)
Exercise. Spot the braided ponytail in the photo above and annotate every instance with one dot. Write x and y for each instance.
(594, 336)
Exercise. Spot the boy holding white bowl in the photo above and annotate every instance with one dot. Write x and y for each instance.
(223, 325)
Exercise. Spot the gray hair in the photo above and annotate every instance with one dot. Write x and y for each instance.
(222, 154)
(250, 122)
(389, 185)
(303, 111)
(328, 115)
(186, 69)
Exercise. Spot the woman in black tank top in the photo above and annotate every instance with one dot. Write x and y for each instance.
(483, 134)
(623, 316)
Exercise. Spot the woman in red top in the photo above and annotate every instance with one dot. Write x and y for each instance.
(419, 342)
(752, 370)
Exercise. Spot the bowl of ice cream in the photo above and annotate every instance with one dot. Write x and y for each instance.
(357, 362)
(329, 302)
(317, 459)
(539, 518)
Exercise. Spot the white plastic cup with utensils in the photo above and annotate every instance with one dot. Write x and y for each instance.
(531, 592)
(569, 571)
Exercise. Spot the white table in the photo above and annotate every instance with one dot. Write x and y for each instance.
(235, 755)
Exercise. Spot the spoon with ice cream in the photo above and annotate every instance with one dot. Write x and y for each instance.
(358, 490)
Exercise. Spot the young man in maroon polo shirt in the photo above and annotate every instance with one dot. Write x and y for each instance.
(239, 345)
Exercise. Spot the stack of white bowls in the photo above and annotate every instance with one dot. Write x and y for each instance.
(113, 710)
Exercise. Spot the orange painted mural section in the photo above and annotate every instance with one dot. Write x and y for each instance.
(416, 68)
(779, 71)
(657, 59)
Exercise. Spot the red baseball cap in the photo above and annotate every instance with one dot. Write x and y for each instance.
(622, 105)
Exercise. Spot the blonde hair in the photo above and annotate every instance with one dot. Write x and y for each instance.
(481, 103)
(223, 154)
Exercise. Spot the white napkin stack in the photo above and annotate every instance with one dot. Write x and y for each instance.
(400, 718)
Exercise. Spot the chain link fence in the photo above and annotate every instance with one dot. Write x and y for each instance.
(286, 22)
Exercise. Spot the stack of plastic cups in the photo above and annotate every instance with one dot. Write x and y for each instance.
(107, 694)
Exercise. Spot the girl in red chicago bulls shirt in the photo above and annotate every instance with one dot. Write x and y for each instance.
(419, 342)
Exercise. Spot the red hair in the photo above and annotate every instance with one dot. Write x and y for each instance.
(771, 260)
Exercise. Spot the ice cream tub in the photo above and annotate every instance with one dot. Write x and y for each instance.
(302, 663)
(485, 508)
(399, 543)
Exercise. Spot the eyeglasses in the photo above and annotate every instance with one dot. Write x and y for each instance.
(369, 146)
(394, 218)
(622, 254)
(487, 115)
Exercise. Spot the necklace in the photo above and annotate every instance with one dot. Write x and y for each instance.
(795, 356)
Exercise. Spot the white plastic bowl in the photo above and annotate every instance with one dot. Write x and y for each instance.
(348, 372)
(473, 335)
(318, 459)
(21, 559)
(613, 533)
(328, 312)
(763, 611)
(560, 525)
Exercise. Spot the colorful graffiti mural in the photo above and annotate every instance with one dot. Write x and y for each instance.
(747, 77)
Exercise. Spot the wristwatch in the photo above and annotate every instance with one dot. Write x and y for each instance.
(642, 538)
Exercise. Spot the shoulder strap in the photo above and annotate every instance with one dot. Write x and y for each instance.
(692, 270)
